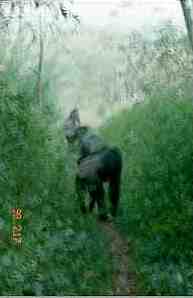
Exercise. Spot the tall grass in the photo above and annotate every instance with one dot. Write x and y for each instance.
(61, 252)
(157, 190)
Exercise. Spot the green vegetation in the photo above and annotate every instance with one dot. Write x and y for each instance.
(157, 208)
(61, 253)
(64, 253)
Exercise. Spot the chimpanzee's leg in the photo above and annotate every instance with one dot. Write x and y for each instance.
(81, 192)
(92, 200)
(114, 193)
(99, 196)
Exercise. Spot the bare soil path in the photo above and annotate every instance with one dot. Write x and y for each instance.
(123, 277)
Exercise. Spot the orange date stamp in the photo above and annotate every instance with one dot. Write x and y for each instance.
(16, 236)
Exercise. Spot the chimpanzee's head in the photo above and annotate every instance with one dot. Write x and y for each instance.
(72, 128)
(71, 124)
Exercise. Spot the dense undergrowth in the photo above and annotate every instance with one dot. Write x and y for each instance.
(61, 253)
(157, 190)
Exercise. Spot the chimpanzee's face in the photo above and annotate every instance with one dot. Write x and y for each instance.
(71, 125)
(70, 133)
(73, 130)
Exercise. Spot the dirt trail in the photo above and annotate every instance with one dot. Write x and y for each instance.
(123, 278)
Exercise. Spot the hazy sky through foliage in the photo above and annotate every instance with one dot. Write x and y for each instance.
(128, 13)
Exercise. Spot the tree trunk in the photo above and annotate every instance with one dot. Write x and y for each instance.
(188, 16)
(40, 63)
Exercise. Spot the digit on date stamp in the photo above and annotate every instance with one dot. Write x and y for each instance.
(16, 234)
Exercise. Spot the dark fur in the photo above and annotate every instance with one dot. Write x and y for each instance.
(110, 171)
(97, 163)
(107, 168)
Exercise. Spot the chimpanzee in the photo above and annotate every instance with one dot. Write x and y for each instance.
(97, 163)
